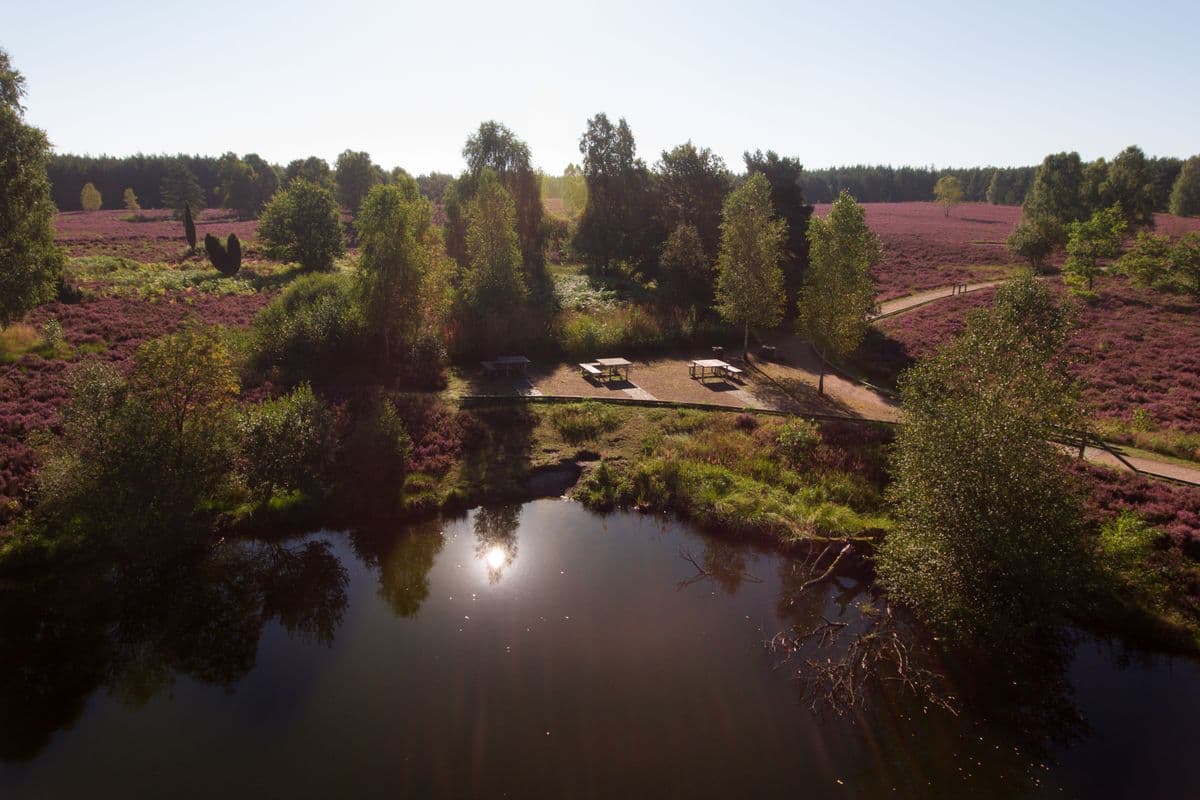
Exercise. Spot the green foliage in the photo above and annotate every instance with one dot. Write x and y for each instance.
(30, 263)
(988, 546)
(401, 253)
(181, 190)
(315, 328)
(496, 148)
(238, 189)
(685, 272)
(1185, 194)
(838, 291)
(493, 287)
(130, 200)
(691, 186)
(1146, 262)
(354, 175)
(1035, 238)
(89, 198)
(138, 458)
(1129, 185)
(581, 422)
(286, 445)
(189, 226)
(948, 192)
(617, 224)
(785, 176)
(374, 456)
(302, 223)
(1090, 241)
(1057, 189)
(624, 328)
(312, 169)
(750, 287)
(1028, 306)
(796, 440)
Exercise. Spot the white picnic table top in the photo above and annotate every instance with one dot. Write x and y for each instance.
(710, 363)
(614, 362)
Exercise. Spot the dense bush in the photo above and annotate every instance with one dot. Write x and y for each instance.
(314, 328)
(286, 444)
(139, 456)
(302, 223)
(227, 259)
(374, 456)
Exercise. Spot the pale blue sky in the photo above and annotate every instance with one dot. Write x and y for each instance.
(944, 83)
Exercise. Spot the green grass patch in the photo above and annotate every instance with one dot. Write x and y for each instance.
(582, 422)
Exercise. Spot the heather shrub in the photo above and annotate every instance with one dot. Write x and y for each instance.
(314, 328)
(286, 444)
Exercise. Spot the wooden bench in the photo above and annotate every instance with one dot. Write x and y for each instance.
(732, 372)
(591, 371)
(489, 368)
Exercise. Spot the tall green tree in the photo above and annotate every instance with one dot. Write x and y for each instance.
(30, 263)
(750, 288)
(1130, 184)
(988, 546)
(399, 245)
(312, 169)
(1093, 240)
(355, 175)
(691, 185)
(180, 188)
(785, 175)
(1057, 189)
(948, 192)
(238, 189)
(302, 223)
(1034, 239)
(838, 291)
(89, 197)
(266, 180)
(494, 147)
(685, 271)
(494, 278)
(1185, 194)
(618, 222)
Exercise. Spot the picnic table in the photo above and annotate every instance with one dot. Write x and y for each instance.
(607, 368)
(712, 368)
(506, 365)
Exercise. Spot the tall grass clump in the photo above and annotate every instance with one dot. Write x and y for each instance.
(581, 422)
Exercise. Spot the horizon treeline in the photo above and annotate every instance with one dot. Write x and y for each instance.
(867, 183)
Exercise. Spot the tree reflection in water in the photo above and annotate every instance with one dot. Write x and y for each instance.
(404, 561)
(132, 631)
(496, 538)
(1014, 708)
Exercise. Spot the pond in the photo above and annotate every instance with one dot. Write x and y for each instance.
(532, 651)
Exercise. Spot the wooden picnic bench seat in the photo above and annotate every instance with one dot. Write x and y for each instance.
(732, 371)
(591, 371)
(489, 367)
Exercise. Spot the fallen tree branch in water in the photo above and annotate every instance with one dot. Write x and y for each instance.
(878, 655)
(849, 548)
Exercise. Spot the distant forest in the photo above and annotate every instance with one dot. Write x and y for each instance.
(867, 183)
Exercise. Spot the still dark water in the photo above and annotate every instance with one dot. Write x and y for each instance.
(539, 651)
